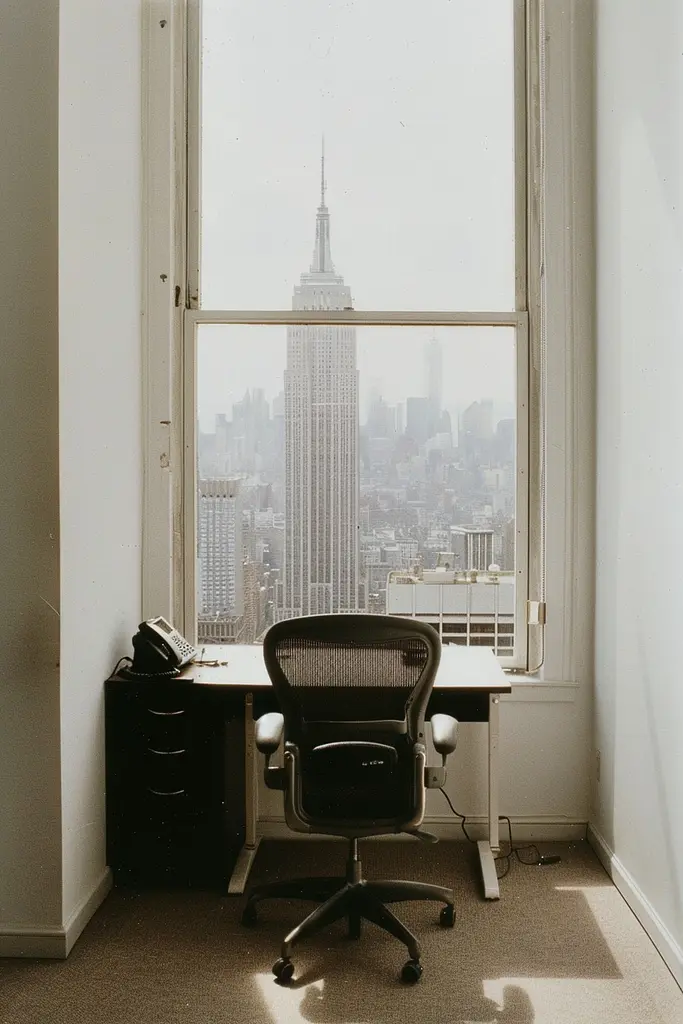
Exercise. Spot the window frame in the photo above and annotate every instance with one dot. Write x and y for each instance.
(172, 174)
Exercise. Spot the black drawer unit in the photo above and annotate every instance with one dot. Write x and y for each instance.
(174, 764)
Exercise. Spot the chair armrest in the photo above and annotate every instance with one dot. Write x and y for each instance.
(444, 733)
(268, 732)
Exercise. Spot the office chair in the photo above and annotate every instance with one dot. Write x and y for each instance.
(353, 690)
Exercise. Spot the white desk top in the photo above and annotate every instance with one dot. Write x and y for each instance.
(461, 668)
(471, 668)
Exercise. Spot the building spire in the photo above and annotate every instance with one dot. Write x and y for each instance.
(322, 258)
(322, 174)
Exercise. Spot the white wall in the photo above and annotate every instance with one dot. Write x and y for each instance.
(639, 695)
(100, 427)
(30, 844)
(70, 461)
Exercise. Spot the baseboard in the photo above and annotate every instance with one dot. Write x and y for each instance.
(49, 943)
(542, 830)
(33, 941)
(669, 950)
(86, 908)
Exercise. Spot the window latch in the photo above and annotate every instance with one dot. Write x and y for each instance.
(535, 613)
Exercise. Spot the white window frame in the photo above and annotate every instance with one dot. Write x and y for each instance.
(554, 460)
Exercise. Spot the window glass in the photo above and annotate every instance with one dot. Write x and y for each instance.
(350, 468)
(415, 104)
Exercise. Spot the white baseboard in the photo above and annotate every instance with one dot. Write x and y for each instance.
(45, 942)
(86, 908)
(33, 941)
(668, 948)
(543, 830)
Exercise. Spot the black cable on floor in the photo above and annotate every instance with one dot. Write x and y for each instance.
(540, 860)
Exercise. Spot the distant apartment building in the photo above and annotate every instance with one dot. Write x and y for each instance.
(254, 618)
(463, 609)
(220, 594)
(421, 420)
(477, 420)
(434, 367)
(472, 547)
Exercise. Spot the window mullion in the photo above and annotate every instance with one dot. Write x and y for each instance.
(370, 318)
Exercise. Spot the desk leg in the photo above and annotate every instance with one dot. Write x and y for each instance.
(245, 858)
(489, 847)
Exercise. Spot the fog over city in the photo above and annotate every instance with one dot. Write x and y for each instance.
(477, 363)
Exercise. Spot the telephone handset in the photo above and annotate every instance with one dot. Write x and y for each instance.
(159, 649)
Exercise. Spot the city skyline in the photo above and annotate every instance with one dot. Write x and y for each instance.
(501, 411)
(478, 363)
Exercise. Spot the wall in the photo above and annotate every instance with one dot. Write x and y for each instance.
(638, 798)
(70, 420)
(30, 854)
(100, 427)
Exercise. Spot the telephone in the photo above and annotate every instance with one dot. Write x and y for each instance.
(159, 649)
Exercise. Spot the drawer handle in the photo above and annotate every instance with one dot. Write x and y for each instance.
(165, 752)
(164, 792)
(152, 711)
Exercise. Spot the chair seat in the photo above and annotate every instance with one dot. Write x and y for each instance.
(352, 780)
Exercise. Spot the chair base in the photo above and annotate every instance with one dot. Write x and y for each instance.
(355, 899)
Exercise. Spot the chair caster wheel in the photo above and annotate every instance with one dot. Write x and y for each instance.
(283, 971)
(412, 972)
(249, 917)
(447, 917)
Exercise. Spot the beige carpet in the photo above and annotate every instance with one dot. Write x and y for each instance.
(560, 947)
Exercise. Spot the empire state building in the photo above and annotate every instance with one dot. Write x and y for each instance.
(321, 555)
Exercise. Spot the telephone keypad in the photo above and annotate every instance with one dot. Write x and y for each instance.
(184, 647)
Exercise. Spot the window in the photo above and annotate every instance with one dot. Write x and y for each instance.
(354, 319)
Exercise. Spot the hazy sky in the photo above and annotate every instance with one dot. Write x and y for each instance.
(415, 103)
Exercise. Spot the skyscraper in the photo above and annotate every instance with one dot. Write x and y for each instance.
(472, 546)
(321, 557)
(220, 556)
(434, 367)
(419, 419)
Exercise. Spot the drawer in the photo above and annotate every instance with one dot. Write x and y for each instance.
(165, 730)
(161, 809)
(166, 772)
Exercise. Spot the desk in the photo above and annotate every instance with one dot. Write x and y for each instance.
(468, 685)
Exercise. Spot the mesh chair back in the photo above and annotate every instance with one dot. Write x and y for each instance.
(353, 690)
(360, 669)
